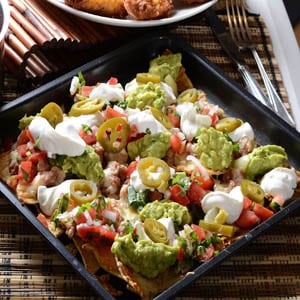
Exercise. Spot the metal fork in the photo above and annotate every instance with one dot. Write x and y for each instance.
(241, 34)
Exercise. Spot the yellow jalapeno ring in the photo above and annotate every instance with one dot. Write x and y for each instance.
(147, 77)
(226, 230)
(189, 95)
(113, 134)
(53, 113)
(228, 124)
(85, 107)
(83, 191)
(161, 117)
(156, 231)
(252, 190)
(154, 173)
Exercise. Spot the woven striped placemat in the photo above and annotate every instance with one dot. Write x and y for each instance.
(268, 268)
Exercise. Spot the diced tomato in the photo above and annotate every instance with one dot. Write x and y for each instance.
(176, 144)
(42, 218)
(247, 219)
(80, 218)
(209, 253)
(112, 113)
(38, 156)
(200, 232)
(174, 117)
(205, 183)
(155, 195)
(88, 137)
(22, 150)
(178, 195)
(112, 81)
(180, 255)
(94, 232)
(86, 90)
(27, 171)
(247, 203)
(262, 212)
(131, 168)
(214, 117)
(25, 137)
(196, 193)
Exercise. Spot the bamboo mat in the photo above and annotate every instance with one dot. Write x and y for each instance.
(268, 268)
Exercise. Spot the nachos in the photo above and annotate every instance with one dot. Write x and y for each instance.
(148, 179)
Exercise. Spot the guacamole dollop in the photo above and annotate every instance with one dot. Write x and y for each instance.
(166, 209)
(148, 94)
(87, 165)
(155, 145)
(213, 149)
(165, 65)
(264, 159)
(144, 257)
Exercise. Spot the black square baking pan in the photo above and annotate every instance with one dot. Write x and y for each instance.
(124, 63)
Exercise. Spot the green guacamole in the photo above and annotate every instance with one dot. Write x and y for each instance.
(144, 257)
(149, 94)
(87, 166)
(213, 149)
(264, 159)
(155, 145)
(166, 65)
(166, 209)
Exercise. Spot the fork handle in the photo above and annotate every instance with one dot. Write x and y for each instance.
(252, 85)
(274, 98)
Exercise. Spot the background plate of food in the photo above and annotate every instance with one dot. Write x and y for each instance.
(156, 181)
(134, 13)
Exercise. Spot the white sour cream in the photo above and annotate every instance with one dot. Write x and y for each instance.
(282, 181)
(48, 197)
(244, 130)
(231, 202)
(62, 141)
(190, 120)
(144, 120)
(109, 92)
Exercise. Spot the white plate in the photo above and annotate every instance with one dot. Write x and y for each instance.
(179, 13)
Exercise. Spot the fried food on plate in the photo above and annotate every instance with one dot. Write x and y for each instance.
(109, 8)
(148, 9)
(194, 1)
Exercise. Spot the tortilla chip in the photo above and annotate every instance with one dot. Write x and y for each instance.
(4, 165)
(183, 81)
(144, 287)
(89, 260)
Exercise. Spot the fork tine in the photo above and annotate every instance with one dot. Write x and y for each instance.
(245, 21)
(232, 20)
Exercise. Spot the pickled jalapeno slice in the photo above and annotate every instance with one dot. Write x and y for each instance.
(252, 190)
(161, 117)
(228, 124)
(83, 191)
(85, 107)
(112, 135)
(53, 113)
(147, 77)
(189, 95)
(154, 172)
(156, 231)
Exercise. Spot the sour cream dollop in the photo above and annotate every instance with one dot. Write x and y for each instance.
(144, 120)
(231, 202)
(109, 92)
(190, 120)
(48, 197)
(63, 141)
(282, 181)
